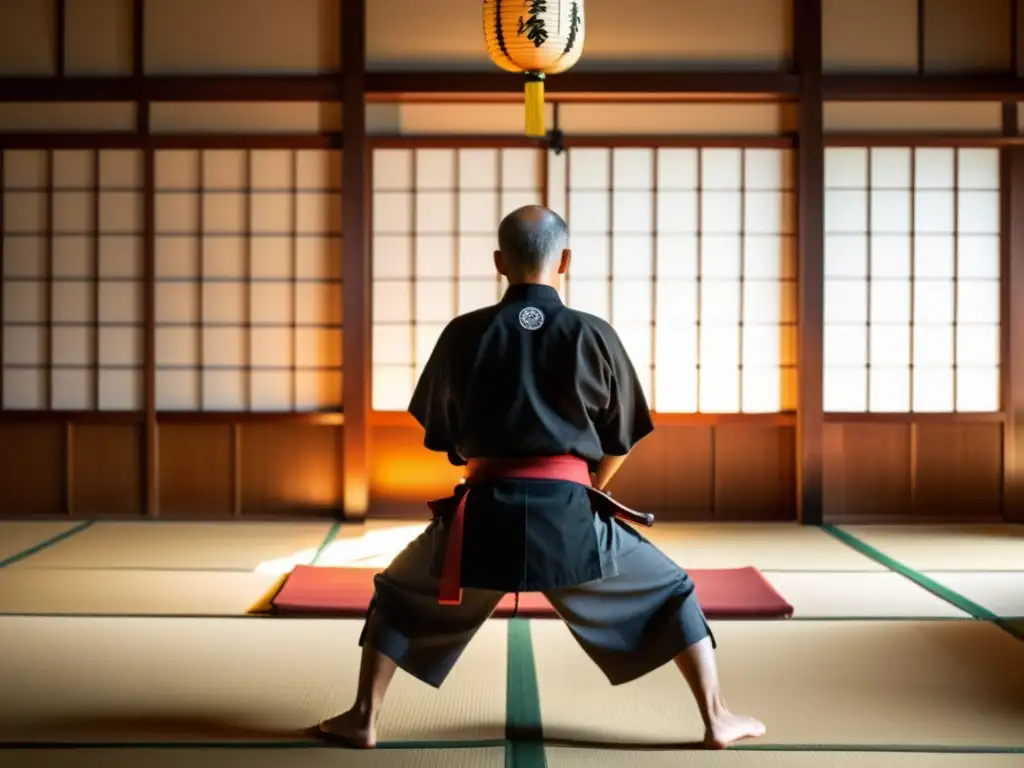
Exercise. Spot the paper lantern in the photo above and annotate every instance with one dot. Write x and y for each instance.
(537, 38)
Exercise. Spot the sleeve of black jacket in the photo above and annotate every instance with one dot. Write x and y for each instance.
(433, 403)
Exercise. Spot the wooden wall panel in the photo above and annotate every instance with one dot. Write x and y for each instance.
(935, 117)
(583, 119)
(881, 36)
(195, 470)
(87, 116)
(106, 477)
(929, 470)
(958, 471)
(247, 117)
(32, 461)
(99, 37)
(949, 48)
(867, 471)
(290, 469)
(733, 472)
(869, 36)
(198, 36)
(403, 474)
(669, 474)
(755, 472)
(28, 44)
(677, 119)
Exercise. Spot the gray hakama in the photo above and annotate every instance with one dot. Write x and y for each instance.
(629, 623)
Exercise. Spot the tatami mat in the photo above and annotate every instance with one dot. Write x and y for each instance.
(937, 683)
(560, 757)
(783, 546)
(228, 593)
(948, 547)
(239, 545)
(162, 593)
(557, 757)
(1001, 592)
(15, 538)
(778, 547)
(254, 758)
(859, 595)
(371, 528)
(138, 680)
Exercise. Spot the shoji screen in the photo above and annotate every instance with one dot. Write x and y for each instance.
(689, 253)
(435, 222)
(72, 292)
(912, 310)
(248, 265)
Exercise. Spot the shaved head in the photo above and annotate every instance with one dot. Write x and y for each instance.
(532, 241)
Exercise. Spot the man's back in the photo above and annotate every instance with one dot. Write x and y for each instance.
(530, 377)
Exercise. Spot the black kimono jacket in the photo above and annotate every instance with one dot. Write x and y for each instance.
(530, 377)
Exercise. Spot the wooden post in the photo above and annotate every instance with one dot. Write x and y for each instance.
(150, 439)
(810, 271)
(60, 36)
(1011, 185)
(355, 226)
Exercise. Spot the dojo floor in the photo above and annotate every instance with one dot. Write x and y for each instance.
(130, 641)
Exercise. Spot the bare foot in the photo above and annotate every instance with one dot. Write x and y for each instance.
(727, 728)
(352, 728)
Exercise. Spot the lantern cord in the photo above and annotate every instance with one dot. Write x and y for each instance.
(556, 141)
(535, 104)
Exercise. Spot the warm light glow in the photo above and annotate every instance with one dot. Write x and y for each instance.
(373, 549)
(912, 280)
(401, 472)
(283, 565)
(687, 252)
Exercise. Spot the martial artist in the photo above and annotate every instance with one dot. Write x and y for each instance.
(541, 404)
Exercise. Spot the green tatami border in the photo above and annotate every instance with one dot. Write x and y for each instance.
(943, 749)
(46, 544)
(941, 591)
(523, 722)
(332, 534)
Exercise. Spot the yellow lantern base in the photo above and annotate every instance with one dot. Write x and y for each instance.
(535, 104)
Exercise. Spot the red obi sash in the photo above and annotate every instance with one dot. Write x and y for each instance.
(482, 471)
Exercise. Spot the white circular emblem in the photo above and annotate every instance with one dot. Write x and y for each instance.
(531, 318)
